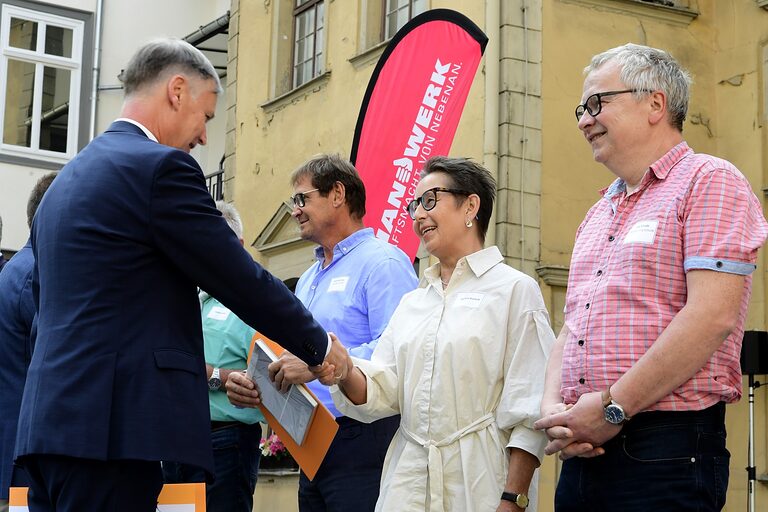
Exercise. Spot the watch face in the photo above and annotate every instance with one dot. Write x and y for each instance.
(214, 383)
(521, 501)
(614, 414)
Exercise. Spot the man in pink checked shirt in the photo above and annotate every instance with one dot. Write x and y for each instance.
(658, 289)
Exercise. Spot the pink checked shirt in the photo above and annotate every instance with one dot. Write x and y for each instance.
(627, 274)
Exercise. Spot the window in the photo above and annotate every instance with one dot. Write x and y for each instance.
(308, 56)
(398, 12)
(40, 79)
(380, 20)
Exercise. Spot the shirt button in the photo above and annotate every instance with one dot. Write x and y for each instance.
(313, 287)
(581, 343)
(599, 272)
(582, 381)
(587, 306)
(611, 238)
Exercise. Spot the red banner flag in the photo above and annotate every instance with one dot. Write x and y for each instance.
(410, 112)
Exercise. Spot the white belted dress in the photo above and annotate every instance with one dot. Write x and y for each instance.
(464, 367)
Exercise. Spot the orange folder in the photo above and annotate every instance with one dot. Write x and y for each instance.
(322, 427)
(172, 496)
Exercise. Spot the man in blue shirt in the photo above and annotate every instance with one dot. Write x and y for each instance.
(17, 311)
(352, 290)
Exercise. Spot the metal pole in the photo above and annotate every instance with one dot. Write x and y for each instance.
(751, 473)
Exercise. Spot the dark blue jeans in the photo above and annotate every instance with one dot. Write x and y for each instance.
(350, 475)
(675, 461)
(236, 461)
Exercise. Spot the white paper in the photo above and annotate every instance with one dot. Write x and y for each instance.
(643, 232)
(218, 313)
(338, 284)
(469, 300)
(292, 409)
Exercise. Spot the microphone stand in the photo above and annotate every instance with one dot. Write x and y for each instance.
(751, 470)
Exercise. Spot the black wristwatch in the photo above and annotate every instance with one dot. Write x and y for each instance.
(214, 383)
(521, 500)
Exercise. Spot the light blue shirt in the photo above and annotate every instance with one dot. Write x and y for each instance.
(356, 294)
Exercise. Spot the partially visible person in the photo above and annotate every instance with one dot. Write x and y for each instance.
(17, 312)
(235, 432)
(461, 361)
(351, 290)
(3, 261)
(658, 290)
(122, 240)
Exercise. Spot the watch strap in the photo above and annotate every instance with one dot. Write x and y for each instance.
(521, 500)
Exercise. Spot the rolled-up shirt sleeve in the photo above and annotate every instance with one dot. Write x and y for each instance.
(723, 224)
(383, 387)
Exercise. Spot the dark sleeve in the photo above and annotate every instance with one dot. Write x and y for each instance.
(28, 315)
(190, 231)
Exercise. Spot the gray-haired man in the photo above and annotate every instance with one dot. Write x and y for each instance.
(122, 241)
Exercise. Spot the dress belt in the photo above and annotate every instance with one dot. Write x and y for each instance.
(435, 458)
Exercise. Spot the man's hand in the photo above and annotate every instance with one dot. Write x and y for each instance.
(336, 366)
(288, 370)
(242, 391)
(577, 431)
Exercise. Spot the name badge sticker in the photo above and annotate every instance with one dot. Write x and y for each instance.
(643, 232)
(218, 313)
(338, 284)
(469, 300)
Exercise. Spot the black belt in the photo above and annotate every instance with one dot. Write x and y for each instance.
(218, 425)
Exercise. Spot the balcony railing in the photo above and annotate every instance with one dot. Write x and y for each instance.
(215, 183)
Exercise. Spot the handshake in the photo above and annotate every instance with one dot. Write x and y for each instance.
(289, 370)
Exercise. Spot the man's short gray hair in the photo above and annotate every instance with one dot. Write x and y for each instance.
(650, 69)
(160, 58)
(229, 212)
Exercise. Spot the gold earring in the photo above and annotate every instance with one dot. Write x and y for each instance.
(468, 223)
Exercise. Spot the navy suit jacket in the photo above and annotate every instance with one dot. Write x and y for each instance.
(17, 311)
(122, 239)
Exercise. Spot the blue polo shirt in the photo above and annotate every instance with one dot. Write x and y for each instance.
(356, 294)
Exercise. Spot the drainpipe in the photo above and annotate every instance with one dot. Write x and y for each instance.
(96, 68)
(491, 114)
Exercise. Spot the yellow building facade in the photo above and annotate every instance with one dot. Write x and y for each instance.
(518, 120)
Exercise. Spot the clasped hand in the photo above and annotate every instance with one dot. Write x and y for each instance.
(337, 364)
(577, 430)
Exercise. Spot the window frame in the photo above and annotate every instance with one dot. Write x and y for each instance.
(74, 64)
(295, 13)
(385, 15)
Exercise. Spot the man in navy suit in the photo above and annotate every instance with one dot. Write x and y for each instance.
(17, 312)
(122, 240)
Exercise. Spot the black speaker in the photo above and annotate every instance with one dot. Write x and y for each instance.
(754, 353)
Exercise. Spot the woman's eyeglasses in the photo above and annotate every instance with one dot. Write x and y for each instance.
(428, 199)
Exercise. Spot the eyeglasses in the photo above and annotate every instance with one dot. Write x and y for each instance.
(594, 103)
(428, 199)
(299, 199)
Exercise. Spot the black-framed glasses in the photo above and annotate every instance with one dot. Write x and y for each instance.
(594, 103)
(299, 199)
(428, 199)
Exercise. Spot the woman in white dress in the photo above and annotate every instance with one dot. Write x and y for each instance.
(462, 361)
